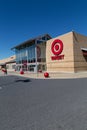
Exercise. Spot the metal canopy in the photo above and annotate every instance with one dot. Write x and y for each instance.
(27, 43)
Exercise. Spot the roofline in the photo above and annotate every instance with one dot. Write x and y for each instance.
(31, 40)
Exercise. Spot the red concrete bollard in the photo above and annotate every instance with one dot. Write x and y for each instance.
(46, 74)
(21, 72)
(40, 71)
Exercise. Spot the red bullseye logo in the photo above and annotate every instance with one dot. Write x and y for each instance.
(57, 47)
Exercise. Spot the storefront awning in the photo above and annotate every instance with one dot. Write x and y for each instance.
(84, 51)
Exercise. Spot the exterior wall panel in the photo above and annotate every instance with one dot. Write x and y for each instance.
(80, 41)
(63, 65)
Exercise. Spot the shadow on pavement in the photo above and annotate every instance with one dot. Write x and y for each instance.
(22, 80)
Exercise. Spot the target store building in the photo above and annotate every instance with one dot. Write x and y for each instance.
(65, 53)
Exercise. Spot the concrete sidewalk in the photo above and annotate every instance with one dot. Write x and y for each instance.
(59, 75)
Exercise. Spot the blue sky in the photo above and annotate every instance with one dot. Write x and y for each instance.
(21, 20)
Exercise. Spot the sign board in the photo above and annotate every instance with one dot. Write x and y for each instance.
(57, 48)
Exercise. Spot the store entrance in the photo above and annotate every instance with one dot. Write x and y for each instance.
(36, 68)
(32, 68)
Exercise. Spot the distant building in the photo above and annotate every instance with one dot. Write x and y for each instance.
(8, 63)
(65, 53)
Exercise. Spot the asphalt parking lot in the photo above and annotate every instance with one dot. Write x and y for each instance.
(43, 104)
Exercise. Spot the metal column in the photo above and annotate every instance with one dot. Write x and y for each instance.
(36, 53)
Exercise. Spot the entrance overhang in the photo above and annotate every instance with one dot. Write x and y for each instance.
(84, 51)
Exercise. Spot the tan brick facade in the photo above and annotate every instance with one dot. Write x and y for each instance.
(8, 63)
(79, 41)
(73, 58)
